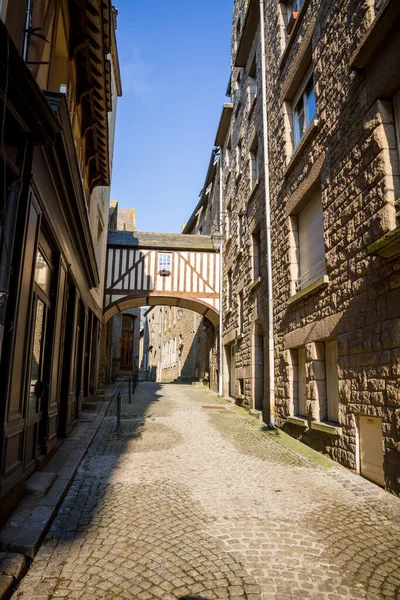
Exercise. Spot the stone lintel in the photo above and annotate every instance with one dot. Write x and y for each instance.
(320, 330)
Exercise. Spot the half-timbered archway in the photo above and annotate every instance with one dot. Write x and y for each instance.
(149, 269)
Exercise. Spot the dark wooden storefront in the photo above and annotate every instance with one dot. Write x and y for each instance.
(50, 322)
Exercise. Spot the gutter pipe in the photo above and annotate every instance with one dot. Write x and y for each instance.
(220, 378)
(271, 352)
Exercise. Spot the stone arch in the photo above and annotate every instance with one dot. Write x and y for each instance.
(159, 299)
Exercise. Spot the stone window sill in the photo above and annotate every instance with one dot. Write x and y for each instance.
(329, 428)
(387, 246)
(299, 421)
(293, 34)
(254, 190)
(306, 139)
(255, 284)
(311, 289)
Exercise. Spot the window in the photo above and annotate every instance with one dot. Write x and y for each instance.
(396, 109)
(238, 159)
(164, 261)
(228, 157)
(240, 230)
(304, 107)
(240, 313)
(228, 222)
(332, 383)
(294, 6)
(256, 255)
(254, 164)
(252, 85)
(229, 290)
(311, 250)
(237, 92)
(302, 395)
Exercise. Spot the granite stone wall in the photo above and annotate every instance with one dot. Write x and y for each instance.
(348, 155)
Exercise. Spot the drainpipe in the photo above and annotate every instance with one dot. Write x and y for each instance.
(268, 223)
(28, 24)
(220, 378)
(162, 342)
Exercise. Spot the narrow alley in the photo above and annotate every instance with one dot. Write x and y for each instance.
(194, 499)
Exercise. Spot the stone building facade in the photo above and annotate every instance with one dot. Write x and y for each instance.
(332, 126)
(59, 87)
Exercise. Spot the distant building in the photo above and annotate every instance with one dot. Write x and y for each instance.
(121, 335)
(183, 344)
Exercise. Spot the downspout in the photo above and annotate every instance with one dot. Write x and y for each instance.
(220, 377)
(270, 305)
(162, 343)
(28, 24)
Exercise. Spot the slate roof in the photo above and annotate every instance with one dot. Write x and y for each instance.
(167, 241)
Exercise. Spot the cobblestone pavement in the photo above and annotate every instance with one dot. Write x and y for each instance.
(191, 501)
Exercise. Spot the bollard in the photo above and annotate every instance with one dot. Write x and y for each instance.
(129, 388)
(119, 412)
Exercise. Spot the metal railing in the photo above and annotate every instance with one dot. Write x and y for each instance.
(311, 275)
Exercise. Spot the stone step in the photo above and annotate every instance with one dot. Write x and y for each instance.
(40, 483)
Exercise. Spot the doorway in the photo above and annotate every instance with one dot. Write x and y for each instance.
(230, 352)
(371, 449)
(127, 343)
(40, 354)
(258, 366)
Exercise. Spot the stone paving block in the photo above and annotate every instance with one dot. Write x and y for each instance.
(12, 564)
(205, 504)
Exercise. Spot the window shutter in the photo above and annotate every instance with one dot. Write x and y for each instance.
(311, 237)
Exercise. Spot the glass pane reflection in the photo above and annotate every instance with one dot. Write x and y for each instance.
(36, 356)
(42, 273)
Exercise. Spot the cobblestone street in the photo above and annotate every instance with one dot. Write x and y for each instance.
(191, 500)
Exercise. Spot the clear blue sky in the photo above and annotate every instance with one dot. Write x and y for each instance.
(175, 65)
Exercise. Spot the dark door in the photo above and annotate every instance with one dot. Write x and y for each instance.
(127, 340)
(40, 353)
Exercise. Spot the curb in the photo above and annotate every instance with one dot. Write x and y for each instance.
(27, 527)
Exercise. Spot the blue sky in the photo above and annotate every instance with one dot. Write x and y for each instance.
(175, 64)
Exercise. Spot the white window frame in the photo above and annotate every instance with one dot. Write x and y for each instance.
(297, 136)
(165, 261)
(317, 270)
(294, 6)
(251, 91)
(238, 154)
(254, 167)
